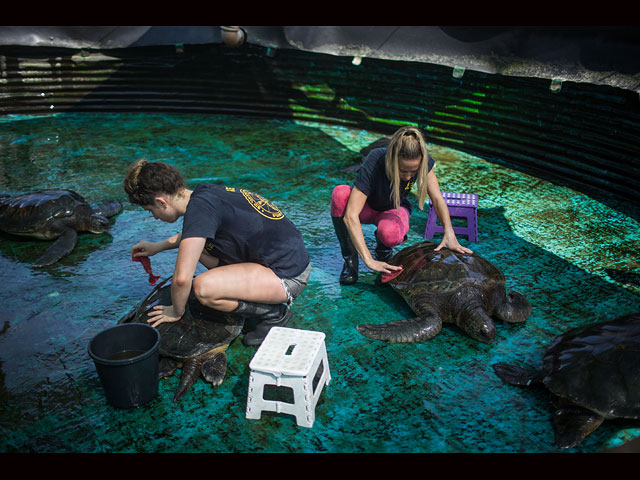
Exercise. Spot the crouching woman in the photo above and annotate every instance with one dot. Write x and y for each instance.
(379, 196)
(256, 258)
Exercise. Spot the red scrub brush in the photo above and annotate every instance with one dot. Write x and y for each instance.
(390, 276)
(146, 263)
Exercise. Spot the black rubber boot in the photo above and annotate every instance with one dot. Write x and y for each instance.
(383, 253)
(349, 274)
(260, 318)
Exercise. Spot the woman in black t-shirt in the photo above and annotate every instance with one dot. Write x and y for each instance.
(256, 259)
(379, 196)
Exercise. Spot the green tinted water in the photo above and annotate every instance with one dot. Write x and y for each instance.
(574, 258)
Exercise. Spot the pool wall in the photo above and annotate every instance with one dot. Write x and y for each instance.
(576, 134)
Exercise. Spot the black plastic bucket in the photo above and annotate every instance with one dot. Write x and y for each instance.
(126, 359)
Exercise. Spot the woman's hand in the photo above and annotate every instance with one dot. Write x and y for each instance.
(382, 267)
(145, 249)
(451, 242)
(162, 314)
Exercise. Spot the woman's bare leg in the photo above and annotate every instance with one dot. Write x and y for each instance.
(221, 287)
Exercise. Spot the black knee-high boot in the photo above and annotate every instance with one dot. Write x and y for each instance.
(349, 274)
(383, 253)
(260, 318)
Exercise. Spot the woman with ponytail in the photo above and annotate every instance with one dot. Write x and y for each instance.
(379, 197)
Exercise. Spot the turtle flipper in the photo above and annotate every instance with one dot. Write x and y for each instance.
(515, 309)
(58, 249)
(214, 369)
(573, 424)
(129, 316)
(513, 375)
(109, 209)
(412, 330)
(190, 373)
(166, 367)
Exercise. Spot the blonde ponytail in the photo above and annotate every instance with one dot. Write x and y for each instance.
(407, 143)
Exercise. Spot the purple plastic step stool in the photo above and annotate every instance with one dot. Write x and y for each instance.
(464, 205)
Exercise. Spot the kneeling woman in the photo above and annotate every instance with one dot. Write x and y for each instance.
(256, 259)
(379, 197)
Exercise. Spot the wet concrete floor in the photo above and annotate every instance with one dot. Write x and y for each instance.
(574, 258)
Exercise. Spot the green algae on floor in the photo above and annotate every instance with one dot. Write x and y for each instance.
(574, 258)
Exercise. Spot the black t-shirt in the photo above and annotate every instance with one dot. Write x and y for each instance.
(241, 226)
(373, 182)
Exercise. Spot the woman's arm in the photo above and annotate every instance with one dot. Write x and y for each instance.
(356, 202)
(188, 256)
(449, 239)
(147, 249)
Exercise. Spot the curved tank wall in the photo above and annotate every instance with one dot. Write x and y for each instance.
(578, 134)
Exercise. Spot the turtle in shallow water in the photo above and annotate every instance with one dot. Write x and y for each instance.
(592, 373)
(448, 287)
(54, 215)
(196, 343)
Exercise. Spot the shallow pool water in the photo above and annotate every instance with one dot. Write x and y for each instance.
(574, 258)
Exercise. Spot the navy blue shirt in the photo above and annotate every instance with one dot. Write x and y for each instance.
(373, 182)
(241, 226)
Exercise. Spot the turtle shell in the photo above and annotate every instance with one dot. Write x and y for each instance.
(598, 367)
(441, 272)
(200, 330)
(31, 212)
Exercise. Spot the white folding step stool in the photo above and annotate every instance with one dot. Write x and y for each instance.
(289, 357)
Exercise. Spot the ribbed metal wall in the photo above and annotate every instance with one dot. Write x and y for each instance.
(582, 135)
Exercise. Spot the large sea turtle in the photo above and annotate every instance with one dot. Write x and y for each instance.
(196, 343)
(448, 287)
(54, 215)
(593, 374)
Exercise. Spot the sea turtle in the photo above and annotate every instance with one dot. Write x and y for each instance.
(448, 287)
(54, 215)
(196, 343)
(593, 374)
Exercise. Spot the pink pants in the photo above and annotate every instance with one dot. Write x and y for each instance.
(392, 225)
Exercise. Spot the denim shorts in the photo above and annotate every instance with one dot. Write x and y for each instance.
(294, 286)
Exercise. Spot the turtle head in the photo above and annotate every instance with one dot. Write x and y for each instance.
(97, 223)
(480, 326)
(476, 323)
